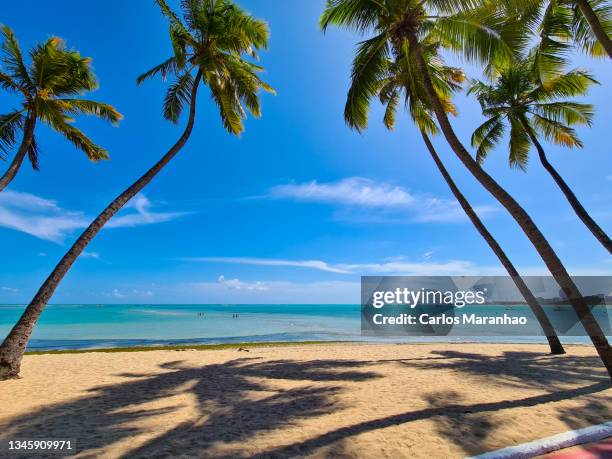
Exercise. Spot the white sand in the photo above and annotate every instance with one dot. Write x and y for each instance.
(337, 400)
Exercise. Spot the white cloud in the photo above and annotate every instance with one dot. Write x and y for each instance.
(276, 292)
(45, 219)
(359, 192)
(313, 264)
(142, 215)
(237, 284)
(93, 255)
(118, 294)
(455, 267)
(350, 191)
(9, 289)
(42, 254)
(39, 217)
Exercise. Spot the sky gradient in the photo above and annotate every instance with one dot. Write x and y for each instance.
(293, 211)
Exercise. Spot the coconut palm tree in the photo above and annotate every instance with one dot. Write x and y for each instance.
(398, 80)
(517, 100)
(210, 47)
(49, 88)
(556, 27)
(478, 34)
(588, 23)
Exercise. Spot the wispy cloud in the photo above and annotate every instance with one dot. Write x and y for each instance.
(356, 191)
(455, 267)
(92, 255)
(364, 193)
(237, 284)
(275, 292)
(46, 219)
(39, 217)
(142, 214)
(312, 264)
(9, 289)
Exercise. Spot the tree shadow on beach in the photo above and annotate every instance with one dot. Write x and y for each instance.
(235, 401)
(468, 425)
(239, 400)
(521, 369)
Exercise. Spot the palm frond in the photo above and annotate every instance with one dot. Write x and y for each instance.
(551, 53)
(392, 102)
(358, 15)
(10, 125)
(422, 116)
(557, 132)
(89, 107)
(7, 83)
(566, 112)
(174, 19)
(582, 32)
(368, 70)
(229, 107)
(570, 84)
(177, 96)
(164, 69)
(12, 57)
(81, 141)
(51, 112)
(486, 136)
(476, 36)
(33, 154)
(519, 145)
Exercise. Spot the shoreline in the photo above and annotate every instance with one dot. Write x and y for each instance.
(257, 344)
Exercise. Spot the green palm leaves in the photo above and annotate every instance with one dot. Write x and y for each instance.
(211, 40)
(517, 100)
(384, 64)
(50, 88)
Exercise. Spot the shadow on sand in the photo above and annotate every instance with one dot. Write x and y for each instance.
(242, 398)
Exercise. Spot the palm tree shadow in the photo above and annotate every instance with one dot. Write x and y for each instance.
(520, 369)
(234, 401)
(466, 424)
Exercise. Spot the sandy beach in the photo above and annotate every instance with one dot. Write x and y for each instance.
(336, 400)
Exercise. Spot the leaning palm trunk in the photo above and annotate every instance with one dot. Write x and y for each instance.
(591, 224)
(536, 308)
(13, 347)
(28, 136)
(523, 219)
(595, 25)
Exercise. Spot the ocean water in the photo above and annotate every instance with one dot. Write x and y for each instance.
(115, 325)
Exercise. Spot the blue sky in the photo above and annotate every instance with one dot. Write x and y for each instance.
(297, 208)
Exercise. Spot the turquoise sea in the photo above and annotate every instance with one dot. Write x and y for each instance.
(113, 325)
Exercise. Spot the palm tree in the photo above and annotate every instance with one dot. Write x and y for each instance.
(211, 42)
(519, 100)
(48, 87)
(586, 22)
(476, 34)
(398, 80)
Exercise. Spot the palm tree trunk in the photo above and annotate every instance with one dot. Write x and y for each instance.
(593, 227)
(523, 219)
(13, 347)
(28, 135)
(593, 20)
(536, 308)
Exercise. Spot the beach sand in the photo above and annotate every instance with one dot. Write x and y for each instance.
(336, 400)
